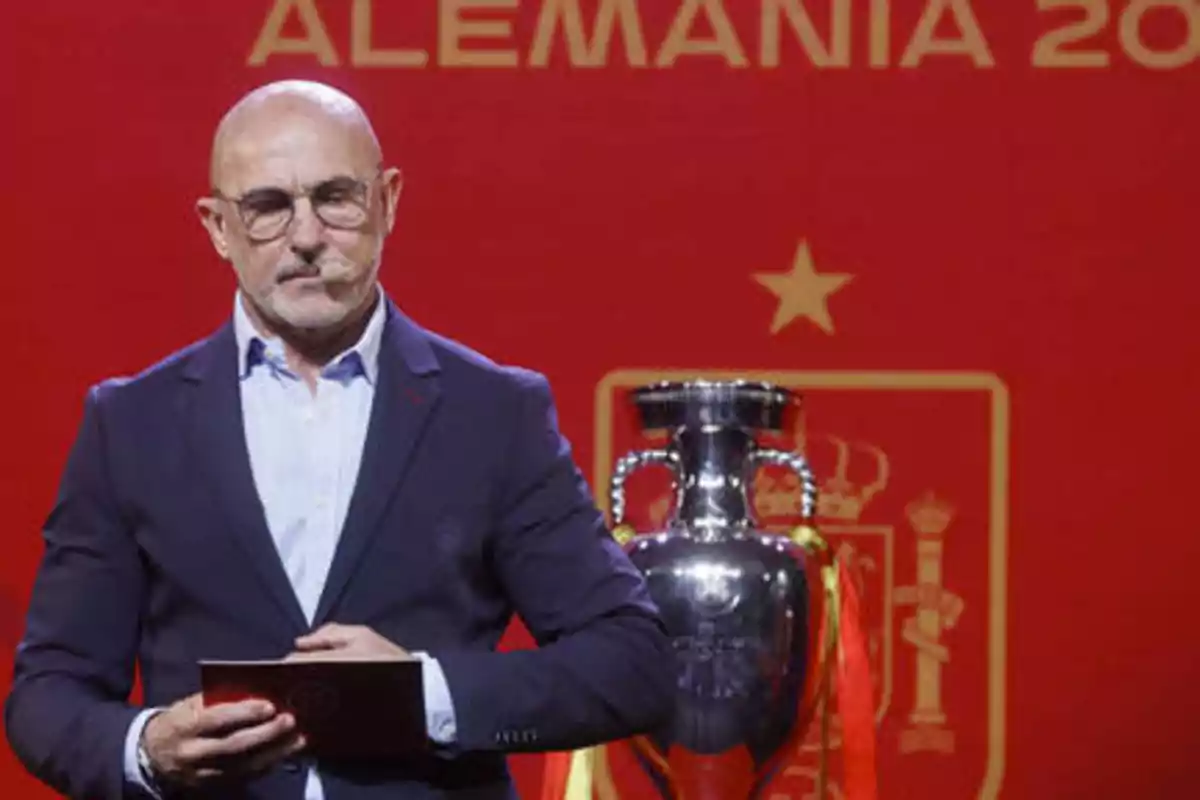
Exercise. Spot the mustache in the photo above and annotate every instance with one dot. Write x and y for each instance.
(330, 269)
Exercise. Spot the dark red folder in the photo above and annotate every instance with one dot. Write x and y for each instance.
(347, 709)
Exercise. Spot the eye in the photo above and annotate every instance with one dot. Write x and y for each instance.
(337, 191)
(265, 201)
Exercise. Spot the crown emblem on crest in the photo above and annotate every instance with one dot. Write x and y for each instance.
(839, 497)
(929, 515)
(776, 497)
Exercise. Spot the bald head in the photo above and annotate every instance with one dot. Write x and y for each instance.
(291, 116)
(301, 206)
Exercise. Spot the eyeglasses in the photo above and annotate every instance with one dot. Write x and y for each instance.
(342, 202)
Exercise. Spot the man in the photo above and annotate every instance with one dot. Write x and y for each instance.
(321, 475)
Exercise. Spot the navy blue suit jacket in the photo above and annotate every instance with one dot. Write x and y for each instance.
(468, 508)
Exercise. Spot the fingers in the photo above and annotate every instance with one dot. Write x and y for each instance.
(272, 734)
(315, 655)
(193, 707)
(221, 768)
(331, 636)
(275, 752)
(196, 745)
(224, 717)
(344, 640)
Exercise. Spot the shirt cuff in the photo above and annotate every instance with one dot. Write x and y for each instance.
(439, 707)
(133, 770)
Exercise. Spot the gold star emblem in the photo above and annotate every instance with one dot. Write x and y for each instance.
(802, 292)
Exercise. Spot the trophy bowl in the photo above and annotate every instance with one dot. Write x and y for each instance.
(742, 606)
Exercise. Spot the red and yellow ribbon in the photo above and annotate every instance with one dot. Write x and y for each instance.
(846, 667)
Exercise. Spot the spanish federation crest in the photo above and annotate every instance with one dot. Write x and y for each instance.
(912, 470)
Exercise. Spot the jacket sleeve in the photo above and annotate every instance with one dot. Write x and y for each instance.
(66, 715)
(603, 669)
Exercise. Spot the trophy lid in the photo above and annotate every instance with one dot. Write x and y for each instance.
(747, 404)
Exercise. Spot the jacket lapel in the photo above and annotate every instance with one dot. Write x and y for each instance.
(405, 398)
(218, 438)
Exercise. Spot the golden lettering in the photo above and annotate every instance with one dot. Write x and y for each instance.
(1130, 34)
(1048, 49)
(363, 53)
(679, 39)
(452, 29)
(836, 54)
(581, 52)
(484, 34)
(970, 42)
(316, 41)
(881, 33)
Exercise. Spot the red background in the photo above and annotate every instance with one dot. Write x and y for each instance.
(1032, 222)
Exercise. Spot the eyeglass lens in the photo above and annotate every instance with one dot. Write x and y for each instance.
(338, 203)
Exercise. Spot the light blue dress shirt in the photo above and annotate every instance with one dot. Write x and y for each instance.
(305, 448)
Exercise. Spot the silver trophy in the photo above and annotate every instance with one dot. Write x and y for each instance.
(740, 604)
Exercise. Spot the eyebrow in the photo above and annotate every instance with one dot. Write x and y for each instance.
(347, 180)
(336, 180)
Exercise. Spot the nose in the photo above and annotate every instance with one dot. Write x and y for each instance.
(305, 239)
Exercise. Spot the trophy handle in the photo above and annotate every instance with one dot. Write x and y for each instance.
(797, 464)
(627, 465)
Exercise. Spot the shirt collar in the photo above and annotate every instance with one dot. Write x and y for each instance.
(254, 348)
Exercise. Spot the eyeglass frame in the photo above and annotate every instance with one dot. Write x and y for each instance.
(363, 188)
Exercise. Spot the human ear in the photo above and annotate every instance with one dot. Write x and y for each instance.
(208, 209)
(393, 182)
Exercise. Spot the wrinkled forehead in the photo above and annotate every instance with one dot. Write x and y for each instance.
(291, 151)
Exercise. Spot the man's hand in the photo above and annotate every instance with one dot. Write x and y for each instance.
(190, 745)
(344, 641)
